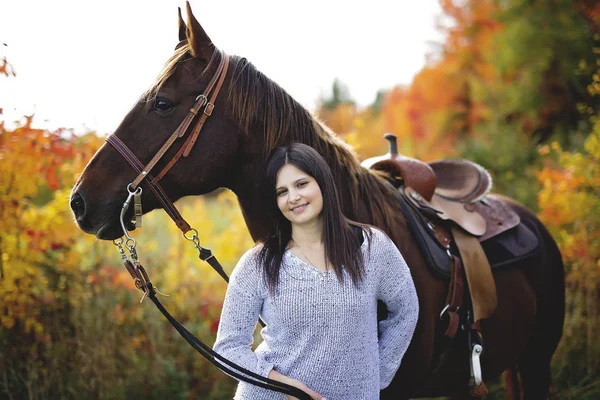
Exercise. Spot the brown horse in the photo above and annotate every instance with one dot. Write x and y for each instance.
(253, 115)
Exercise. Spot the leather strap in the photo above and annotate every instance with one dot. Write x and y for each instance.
(222, 71)
(143, 283)
(158, 191)
(454, 298)
(191, 140)
(201, 101)
(482, 286)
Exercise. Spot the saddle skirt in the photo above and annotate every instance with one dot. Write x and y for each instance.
(485, 218)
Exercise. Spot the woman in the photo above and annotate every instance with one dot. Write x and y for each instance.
(315, 282)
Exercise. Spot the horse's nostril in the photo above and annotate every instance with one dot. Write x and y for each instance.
(77, 205)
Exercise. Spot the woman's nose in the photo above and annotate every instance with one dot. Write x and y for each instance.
(294, 196)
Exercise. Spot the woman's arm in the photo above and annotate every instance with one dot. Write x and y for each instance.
(397, 290)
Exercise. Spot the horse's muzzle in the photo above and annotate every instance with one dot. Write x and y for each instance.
(100, 220)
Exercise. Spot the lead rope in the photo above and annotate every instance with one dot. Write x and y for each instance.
(131, 261)
(129, 257)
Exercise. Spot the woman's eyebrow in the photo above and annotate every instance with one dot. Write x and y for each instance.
(296, 181)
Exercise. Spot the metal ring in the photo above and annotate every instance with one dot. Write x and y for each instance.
(118, 242)
(194, 235)
(444, 311)
(137, 191)
(130, 239)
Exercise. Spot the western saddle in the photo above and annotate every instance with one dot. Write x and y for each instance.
(452, 187)
(448, 209)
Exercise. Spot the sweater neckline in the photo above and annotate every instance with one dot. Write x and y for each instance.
(307, 266)
(308, 269)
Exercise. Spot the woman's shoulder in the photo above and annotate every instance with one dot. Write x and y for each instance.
(247, 272)
(379, 244)
(376, 235)
(252, 254)
(249, 261)
(375, 245)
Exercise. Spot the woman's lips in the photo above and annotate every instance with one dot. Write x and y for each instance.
(299, 209)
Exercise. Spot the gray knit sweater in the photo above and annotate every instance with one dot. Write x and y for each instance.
(319, 330)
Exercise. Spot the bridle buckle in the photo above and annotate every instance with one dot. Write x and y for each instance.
(209, 109)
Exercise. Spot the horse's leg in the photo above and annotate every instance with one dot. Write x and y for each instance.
(547, 278)
(534, 365)
(512, 384)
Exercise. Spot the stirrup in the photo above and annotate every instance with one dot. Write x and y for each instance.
(476, 385)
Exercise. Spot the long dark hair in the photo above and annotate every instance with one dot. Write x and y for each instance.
(341, 243)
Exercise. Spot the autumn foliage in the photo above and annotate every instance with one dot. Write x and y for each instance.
(569, 203)
(515, 87)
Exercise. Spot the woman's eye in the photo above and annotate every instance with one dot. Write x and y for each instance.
(302, 184)
(163, 106)
(281, 193)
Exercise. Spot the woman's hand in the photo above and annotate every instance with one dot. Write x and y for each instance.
(296, 383)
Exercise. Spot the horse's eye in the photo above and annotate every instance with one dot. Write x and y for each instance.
(163, 106)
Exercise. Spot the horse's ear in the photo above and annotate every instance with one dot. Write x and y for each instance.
(181, 25)
(198, 41)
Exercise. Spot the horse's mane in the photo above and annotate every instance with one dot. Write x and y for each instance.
(261, 106)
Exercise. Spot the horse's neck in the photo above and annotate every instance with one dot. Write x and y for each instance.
(272, 118)
(253, 212)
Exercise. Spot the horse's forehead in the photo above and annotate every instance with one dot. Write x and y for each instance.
(180, 69)
(183, 73)
(188, 65)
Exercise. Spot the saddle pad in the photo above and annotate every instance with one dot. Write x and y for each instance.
(511, 246)
(436, 256)
(503, 250)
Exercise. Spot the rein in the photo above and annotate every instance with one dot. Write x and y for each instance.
(203, 105)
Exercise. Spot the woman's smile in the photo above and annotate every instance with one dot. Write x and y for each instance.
(299, 209)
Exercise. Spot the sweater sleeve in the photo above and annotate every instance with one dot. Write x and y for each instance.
(240, 313)
(397, 290)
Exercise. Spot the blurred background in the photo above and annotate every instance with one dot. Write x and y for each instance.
(513, 85)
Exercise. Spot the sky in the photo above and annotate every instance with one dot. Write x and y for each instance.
(83, 64)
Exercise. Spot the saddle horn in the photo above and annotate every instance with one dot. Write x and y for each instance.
(390, 137)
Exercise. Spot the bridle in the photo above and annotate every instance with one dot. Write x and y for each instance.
(202, 108)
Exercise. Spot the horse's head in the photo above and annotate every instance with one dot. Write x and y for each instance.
(98, 195)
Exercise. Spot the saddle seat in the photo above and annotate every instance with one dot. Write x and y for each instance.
(461, 180)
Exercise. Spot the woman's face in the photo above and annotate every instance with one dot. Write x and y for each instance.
(298, 195)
